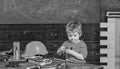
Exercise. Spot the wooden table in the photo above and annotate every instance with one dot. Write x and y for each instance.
(69, 65)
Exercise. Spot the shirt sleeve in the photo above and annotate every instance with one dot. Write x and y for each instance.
(83, 49)
(65, 44)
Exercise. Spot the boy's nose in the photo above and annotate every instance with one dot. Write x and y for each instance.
(72, 38)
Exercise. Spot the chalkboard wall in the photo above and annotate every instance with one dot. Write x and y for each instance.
(55, 11)
(49, 11)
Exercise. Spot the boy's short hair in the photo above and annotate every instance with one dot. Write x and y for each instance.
(74, 26)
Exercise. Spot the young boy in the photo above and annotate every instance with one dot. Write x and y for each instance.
(75, 48)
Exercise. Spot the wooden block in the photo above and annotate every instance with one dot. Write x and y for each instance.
(104, 33)
(103, 25)
(103, 51)
(16, 51)
(103, 42)
(103, 59)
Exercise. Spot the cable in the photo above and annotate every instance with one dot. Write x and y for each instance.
(65, 59)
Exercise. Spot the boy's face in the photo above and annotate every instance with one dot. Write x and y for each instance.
(73, 36)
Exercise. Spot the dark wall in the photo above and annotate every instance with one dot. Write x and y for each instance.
(52, 35)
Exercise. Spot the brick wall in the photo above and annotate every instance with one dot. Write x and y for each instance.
(52, 35)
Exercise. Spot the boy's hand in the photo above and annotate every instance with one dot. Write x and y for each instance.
(62, 48)
(74, 53)
(68, 51)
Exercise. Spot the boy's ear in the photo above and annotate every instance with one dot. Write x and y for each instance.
(80, 33)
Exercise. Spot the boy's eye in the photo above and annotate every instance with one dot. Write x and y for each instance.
(75, 35)
(70, 35)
